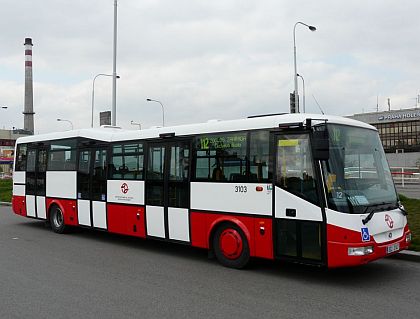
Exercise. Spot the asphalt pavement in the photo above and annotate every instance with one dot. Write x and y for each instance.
(92, 274)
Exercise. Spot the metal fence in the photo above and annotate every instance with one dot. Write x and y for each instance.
(406, 175)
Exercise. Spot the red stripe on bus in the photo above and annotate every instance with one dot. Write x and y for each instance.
(258, 231)
(126, 220)
(19, 205)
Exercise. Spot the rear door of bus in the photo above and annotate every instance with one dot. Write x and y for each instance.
(91, 186)
(168, 189)
(35, 181)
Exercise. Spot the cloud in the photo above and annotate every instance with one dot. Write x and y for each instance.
(205, 59)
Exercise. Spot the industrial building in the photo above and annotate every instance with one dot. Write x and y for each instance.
(399, 131)
(7, 148)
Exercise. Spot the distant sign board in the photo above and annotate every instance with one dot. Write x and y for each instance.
(399, 116)
(105, 118)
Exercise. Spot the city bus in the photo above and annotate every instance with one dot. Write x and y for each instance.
(311, 189)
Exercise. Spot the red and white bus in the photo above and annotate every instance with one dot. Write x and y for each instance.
(305, 188)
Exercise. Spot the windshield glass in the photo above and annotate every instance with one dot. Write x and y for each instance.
(357, 175)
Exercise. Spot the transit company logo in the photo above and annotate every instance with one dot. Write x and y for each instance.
(389, 221)
(124, 188)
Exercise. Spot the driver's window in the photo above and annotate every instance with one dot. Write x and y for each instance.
(295, 172)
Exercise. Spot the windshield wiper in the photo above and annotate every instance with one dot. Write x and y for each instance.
(369, 217)
(401, 208)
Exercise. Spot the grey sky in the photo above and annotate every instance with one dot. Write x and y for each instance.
(219, 59)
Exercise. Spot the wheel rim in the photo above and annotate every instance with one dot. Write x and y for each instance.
(230, 243)
(58, 218)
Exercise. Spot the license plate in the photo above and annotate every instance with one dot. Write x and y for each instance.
(392, 248)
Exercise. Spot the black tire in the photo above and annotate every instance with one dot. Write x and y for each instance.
(57, 220)
(237, 253)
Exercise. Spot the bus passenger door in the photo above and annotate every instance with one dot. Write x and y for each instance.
(91, 187)
(35, 181)
(167, 190)
(299, 231)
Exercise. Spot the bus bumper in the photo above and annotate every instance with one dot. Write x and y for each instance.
(354, 254)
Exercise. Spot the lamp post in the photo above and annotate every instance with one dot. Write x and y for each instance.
(303, 85)
(312, 28)
(93, 92)
(63, 120)
(163, 111)
(135, 123)
(114, 71)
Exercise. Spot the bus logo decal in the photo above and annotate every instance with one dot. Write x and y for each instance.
(124, 188)
(389, 221)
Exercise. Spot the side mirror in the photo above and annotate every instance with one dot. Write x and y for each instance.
(321, 143)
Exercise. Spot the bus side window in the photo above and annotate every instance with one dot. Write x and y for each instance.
(259, 156)
(21, 157)
(127, 161)
(221, 157)
(62, 155)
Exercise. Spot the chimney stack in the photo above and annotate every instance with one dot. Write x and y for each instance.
(28, 111)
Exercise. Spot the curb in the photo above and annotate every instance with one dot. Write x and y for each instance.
(407, 255)
(5, 204)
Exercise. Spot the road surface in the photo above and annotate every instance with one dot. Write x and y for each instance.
(91, 274)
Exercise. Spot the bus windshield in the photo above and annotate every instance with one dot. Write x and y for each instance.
(357, 175)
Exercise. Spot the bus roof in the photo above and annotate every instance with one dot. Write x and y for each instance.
(111, 134)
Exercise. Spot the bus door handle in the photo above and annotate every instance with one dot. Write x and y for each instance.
(290, 212)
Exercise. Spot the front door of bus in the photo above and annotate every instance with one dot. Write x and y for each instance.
(167, 190)
(298, 217)
(91, 187)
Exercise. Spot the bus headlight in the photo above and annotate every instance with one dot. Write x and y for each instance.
(360, 251)
(408, 238)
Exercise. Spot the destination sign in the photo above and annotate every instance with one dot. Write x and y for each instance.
(221, 142)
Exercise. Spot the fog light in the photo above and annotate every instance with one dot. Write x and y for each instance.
(408, 238)
(360, 251)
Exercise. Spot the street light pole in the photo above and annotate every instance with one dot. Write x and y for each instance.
(114, 71)
(134, 123)
(63, 120)
(312, 28)
(163, 111)
(93, 93)
(303, 85)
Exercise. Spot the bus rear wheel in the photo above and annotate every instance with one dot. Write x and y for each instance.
(230, 246)
(57, 220)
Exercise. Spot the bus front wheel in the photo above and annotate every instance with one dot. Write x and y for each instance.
(230, 246)
(57, 220)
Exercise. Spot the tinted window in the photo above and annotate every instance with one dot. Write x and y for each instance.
(127, 161)
(21, 158)
(31, 161)
(221, 157)
(155, 176)
(99, 175)
(62, 155)
(83, 176)
(259, 156)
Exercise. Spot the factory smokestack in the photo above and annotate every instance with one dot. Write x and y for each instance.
(28, 111)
